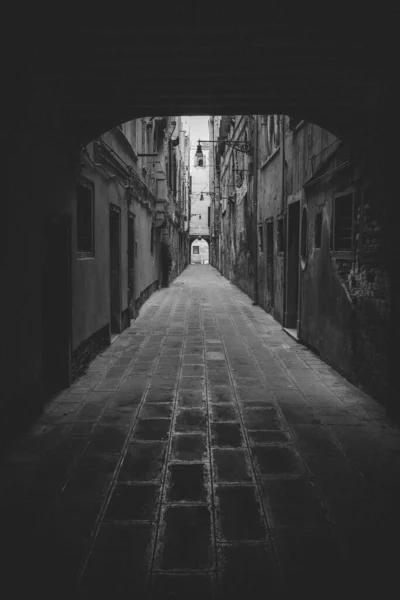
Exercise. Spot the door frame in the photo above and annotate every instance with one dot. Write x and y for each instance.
(270, 224)
(131, 301)
(114, 208)
(294, 200)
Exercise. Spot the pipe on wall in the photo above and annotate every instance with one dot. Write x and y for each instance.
(255, 211)
(285, 214)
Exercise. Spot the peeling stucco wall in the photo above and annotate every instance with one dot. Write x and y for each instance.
(236, 182)
(344, 302)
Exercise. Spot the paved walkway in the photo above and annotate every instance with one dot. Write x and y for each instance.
(204, 452)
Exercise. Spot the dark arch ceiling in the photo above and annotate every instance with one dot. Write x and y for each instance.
(333, 64)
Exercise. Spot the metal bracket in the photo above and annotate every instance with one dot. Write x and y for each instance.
(239, 145)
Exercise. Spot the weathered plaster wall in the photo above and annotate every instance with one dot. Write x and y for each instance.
(91, 276)
(345, 306)
(236, 187)
(345, 303)
(325, 303)
(147, 264)
(269, 207)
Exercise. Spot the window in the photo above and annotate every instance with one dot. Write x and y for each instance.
(281, 235)
(152, 240)
(196, 249)
(303, 239)
(84, 220)
(261, 238)
(318, 230)
(343, 223)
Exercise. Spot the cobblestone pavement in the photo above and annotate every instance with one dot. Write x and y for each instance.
(205, 454)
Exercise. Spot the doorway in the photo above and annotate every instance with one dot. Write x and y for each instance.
(115, 270)
(131, 265)
(292, 267)
(270, 265)
(56, 305)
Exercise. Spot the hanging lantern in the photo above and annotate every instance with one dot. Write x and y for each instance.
(199, 151)
(201, 197)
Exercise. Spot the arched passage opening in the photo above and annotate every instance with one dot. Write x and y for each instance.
(199, 252)
(106, 79)
(109, 75)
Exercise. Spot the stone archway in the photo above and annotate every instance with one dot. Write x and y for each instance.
(200, 250)
(326, 71)
(69, 82)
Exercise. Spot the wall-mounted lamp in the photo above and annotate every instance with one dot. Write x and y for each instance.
(239, 145)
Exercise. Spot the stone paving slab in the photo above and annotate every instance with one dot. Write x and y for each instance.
(204, 454)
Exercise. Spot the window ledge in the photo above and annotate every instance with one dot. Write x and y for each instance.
(84, 255)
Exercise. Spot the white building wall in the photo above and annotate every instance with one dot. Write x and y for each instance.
(199, 225)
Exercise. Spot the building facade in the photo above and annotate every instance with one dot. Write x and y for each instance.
(122, 236)
(132, 215)
(232, 199)
(303, 238)
(199, 221)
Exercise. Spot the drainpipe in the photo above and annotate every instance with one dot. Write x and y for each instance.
(255, 210)
(299, 270)
(283, 209)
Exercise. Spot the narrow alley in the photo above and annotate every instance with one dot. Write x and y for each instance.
(204, 454)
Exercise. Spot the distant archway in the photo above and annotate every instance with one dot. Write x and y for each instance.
(199, 252)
